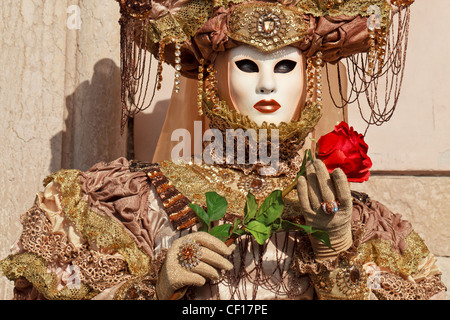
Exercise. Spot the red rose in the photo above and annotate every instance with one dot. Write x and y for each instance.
(345, 148)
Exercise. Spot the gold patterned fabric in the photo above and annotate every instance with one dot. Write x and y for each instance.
(107, 233)
(68, 250)
(194, 180)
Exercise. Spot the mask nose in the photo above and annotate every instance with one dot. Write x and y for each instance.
(266, 83)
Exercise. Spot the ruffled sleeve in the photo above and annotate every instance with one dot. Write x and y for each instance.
(88, 233)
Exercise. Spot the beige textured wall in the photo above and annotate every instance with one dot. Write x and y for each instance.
(59, 101)
(412, 151)
(417, 136)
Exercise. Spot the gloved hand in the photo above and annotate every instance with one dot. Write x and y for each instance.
(316, 189)
(173, 276)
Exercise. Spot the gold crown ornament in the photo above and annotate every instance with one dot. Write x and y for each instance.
(267, 26)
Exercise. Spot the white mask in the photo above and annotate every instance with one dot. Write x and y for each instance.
(267, 86)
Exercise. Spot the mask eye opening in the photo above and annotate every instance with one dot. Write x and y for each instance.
(247, 65)
(285, 66)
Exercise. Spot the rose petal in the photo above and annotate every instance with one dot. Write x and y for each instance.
(346, 149)
(335, 159)
(327, 143)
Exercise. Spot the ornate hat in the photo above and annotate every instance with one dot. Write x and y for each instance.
(188, 34)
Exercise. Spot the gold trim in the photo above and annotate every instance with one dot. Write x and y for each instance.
(267, 26)
(297, 130)
(384, 255)
(104, 231)
(35, 270)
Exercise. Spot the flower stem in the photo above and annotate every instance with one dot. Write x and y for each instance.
(289, 188)
(230, 240)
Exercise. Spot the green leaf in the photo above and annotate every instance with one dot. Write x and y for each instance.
(302, 170)
(221, 231)
(236, 230)
(236, 224)
(201, 214)
(277, 225)
(259, 231)
(271, 209)
(288, 226)
(310, 157)
(251, 207)
(239, 232)
(323, 237)
(216, 206)
(320, 235)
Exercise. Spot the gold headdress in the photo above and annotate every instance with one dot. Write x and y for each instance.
(188, 34)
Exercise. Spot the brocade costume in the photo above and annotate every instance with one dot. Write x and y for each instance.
(102, 234)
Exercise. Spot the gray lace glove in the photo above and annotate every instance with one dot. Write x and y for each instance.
(314, 192)
(208, 254)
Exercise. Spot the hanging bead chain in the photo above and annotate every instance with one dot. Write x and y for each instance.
(160, 65)
(319, 64)
(177, 80)
(211, 85)
(310, 72)
(381, 52)
(200, 86)
(377, 52)
(314, 79)
(372, 51)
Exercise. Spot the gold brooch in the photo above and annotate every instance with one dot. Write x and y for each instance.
(267, 26)
(190, 254)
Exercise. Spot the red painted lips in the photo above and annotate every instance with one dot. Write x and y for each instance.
(267, 106)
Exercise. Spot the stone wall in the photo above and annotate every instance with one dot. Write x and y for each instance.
(422, 200)
(59, 95)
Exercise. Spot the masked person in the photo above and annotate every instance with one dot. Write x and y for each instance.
(128, 230)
